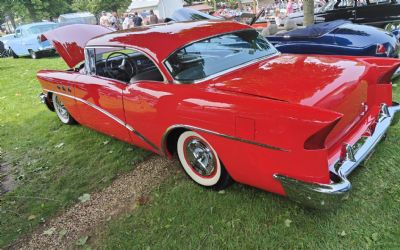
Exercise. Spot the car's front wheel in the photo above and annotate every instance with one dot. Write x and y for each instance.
(12, 53)
(34, 55)
(61, 111)
(201, 162)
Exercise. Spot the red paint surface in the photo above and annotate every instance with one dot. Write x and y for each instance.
(289, 98)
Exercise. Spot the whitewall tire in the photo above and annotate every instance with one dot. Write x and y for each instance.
(62, 111)
(201, 162)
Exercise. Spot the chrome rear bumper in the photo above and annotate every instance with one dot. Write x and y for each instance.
(42, 97)
(45, 100)
(327, 196)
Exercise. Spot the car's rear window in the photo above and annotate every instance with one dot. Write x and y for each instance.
(213, 55)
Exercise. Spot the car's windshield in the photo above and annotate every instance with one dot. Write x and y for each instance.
(213, 55)
(38, 29)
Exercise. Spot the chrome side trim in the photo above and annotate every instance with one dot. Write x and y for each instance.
(319, 195)
(105, 112)
(166, 133)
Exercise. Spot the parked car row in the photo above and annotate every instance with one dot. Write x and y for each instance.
(378, 13)
(338, 37)
(25, 41)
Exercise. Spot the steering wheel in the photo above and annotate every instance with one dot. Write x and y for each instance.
(114, 70)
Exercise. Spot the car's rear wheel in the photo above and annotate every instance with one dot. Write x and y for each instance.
(201, 162)
(61, 111)
(34, 55)
(13, 54)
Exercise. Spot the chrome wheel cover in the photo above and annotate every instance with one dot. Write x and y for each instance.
(61, 110)
(200, 157)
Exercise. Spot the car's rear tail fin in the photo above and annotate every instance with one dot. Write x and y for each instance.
(382, 70)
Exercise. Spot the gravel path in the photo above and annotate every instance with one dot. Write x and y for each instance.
(121, 196)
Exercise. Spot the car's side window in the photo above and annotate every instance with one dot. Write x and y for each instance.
(123, 64)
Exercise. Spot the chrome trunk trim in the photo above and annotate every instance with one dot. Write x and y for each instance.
(326, 196)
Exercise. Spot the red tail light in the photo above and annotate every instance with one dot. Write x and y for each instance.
(41, 38)
(317, 140)
(380, 49)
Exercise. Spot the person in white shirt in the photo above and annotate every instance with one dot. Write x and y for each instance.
(104, 21)
(127, 23)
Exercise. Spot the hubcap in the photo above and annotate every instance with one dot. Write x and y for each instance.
(61, 110)
(200, 157)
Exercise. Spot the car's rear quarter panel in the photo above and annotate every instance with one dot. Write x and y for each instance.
(266, 136)
(62, 82)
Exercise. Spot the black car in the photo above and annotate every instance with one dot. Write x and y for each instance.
(379, 13)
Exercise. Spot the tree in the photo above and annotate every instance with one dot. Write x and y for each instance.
(34, 10)
(96, 6)
(308, 6)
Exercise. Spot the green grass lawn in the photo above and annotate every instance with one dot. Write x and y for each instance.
(54, 163)
(184, 215)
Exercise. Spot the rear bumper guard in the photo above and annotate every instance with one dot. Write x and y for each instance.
(43, 97)
(328, 196)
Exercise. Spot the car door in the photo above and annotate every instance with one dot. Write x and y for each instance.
(16, 43)
(148, 112)
(100, 103)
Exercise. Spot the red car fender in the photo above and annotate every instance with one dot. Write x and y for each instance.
(276, 148)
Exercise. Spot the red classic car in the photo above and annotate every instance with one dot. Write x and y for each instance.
(227, 103)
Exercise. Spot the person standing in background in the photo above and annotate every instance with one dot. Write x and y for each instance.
(127, 23)
(153, 19)
(114, 20)
(137, 20)
(104, 21)
(278, 18)
(289, 7)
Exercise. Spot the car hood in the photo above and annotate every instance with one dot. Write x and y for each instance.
(300, 79)
(70, 40)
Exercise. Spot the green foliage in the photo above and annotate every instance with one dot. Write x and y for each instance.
(96, 6)
(35, 10)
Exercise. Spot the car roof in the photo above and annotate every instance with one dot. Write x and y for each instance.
(26, 26)
(159, 41)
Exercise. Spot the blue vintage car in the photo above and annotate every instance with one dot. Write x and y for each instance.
(26, 41)
(338, 37)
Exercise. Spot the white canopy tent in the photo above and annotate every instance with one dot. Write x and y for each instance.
(162, 8)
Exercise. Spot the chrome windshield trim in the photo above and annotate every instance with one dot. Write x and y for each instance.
(105, 112)
(169, 129)
(328, 196)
